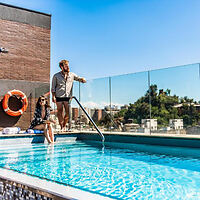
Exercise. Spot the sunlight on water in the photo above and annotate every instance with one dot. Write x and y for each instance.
(116, 172)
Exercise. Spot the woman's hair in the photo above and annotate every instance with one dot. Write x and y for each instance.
(62, 62)
(39, 100)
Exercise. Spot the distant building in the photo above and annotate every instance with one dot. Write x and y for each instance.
(98, 115)
(75, 114)
(176, 124)
(124, 107)
(130, 120)
(149, 124)
(112, 108)
(95, 114)
(179, 106)
(131, 127)
(165, 128)
(90, 113)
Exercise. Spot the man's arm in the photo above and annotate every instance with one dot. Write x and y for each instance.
(53, 89)
(53, 97)
(80, 79)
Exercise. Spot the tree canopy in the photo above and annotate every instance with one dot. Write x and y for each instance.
(162, 106)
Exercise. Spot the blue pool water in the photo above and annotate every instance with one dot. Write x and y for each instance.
(139, 172)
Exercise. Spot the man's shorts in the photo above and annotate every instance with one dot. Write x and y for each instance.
(61, 99)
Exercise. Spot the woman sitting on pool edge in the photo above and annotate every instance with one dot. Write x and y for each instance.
(41, 120)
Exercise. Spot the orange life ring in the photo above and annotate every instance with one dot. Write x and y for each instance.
(6, 100)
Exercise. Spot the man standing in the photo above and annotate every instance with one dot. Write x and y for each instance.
(62, 84)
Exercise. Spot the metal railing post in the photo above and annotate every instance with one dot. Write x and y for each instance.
(91, 120)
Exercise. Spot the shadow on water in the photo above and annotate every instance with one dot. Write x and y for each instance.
(178, 157)
(38, 139)
(181, 152)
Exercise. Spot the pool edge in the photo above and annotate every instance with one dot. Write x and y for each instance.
(51, 189)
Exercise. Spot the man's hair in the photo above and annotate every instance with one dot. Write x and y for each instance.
(62, 62)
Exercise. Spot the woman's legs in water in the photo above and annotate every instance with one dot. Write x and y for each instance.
(44, 128)
(51, 133)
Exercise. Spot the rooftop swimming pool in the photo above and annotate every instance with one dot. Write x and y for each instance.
(117, 170)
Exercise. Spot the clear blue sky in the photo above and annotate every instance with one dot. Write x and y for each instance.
(110, 37)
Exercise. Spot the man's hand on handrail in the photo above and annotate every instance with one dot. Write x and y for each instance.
(82, 80)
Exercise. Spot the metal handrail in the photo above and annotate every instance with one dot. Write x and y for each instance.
(91, 120)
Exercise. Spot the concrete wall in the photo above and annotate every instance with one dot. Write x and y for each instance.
(193, 130)
(26, 67)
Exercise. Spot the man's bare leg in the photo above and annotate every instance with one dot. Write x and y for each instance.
(66, 117)
(60, 114)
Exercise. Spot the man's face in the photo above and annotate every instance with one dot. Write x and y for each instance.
(65, 68)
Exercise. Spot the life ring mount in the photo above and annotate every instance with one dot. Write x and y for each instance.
(6, 101)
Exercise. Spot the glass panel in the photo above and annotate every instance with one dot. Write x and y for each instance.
(74, 108)
(175, 100)
(94, 96)
(130, 102)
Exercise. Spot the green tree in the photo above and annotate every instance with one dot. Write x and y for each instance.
(162, 108)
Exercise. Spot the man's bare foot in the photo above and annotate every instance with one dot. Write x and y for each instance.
(64, 129)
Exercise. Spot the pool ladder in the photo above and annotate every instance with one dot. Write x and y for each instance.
(91, 120)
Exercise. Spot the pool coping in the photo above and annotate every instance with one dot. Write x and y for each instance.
(165, 135)
(52, 188)
(159, 135)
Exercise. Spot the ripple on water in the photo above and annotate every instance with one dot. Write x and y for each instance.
(120, 173)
